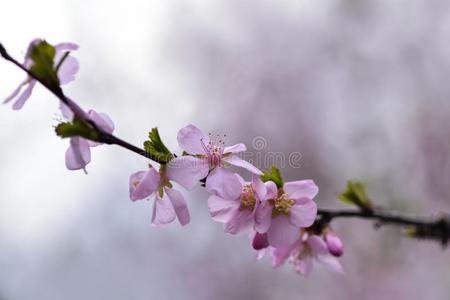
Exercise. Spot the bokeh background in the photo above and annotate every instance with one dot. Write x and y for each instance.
(358, 87)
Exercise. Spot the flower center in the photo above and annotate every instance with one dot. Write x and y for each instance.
(282, 205)
(247, 198)
(214, 150)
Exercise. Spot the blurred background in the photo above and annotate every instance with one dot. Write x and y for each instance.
(358, 87)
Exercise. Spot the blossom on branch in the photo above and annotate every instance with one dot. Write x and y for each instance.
(283, 211)
(204, 156)
(303, 252)
(168, 203)
(64, 65)
(78, 155)
(234, 201)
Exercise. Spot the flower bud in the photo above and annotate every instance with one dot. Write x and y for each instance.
(260, 241)
(334, 244)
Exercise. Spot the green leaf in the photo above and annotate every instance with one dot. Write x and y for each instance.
(76, 128)
(273, 175)
(355, 194)
(156, 148)
(43, 55)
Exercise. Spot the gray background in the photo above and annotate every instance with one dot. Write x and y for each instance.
(359, 88)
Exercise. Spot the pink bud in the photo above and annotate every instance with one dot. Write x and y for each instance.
(334, 244)
(260, 241)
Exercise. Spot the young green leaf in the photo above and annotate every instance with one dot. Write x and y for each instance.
(43, 55)
(156, 148)
(76, 128)
(273, 175)
(355, 194)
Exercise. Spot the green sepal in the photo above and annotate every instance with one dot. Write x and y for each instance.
(43, 55)
(355, 194)
(76, 128)
(273, 175)
(156, 148)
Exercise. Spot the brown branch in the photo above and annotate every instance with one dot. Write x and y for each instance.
(435, 229)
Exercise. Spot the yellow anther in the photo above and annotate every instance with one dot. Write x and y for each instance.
(248, 199)
(282, 204)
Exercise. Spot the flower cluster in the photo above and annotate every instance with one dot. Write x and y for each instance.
(307, 248)
(279, 216)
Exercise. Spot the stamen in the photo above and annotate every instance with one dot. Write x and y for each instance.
(247, 198)
(214, 149)
(282, 205)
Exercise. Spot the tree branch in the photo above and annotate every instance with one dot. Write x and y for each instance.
(104, 137)
(435, 229)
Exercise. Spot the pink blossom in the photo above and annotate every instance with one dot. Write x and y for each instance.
(284, 211)
(234, 201)
(205, 156)
(302, 254)
(78, 155)
(66, 72)
(168, 203)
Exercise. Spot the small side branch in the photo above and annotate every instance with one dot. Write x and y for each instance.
(435, 229)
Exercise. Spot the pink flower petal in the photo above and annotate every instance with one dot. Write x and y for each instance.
(68, 46)
(25, 95)
(301, 189)
(332, 263)
(224, 183)
(143, 184)
(163, 211)
(187, 170)
(221, 210)
(66, 111)
(305, 265)
(259, 187)
(78, 155)
(263, 217)
(241, 222)
(272, 190)
(282, 232)
(235, 148)
(238, 162)
(68, 70)
(16, 91)
(303, 215)
(190, 139)
(180, 205)
(280, 254)
(102, 120)
(318, 245)
(241, 180)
